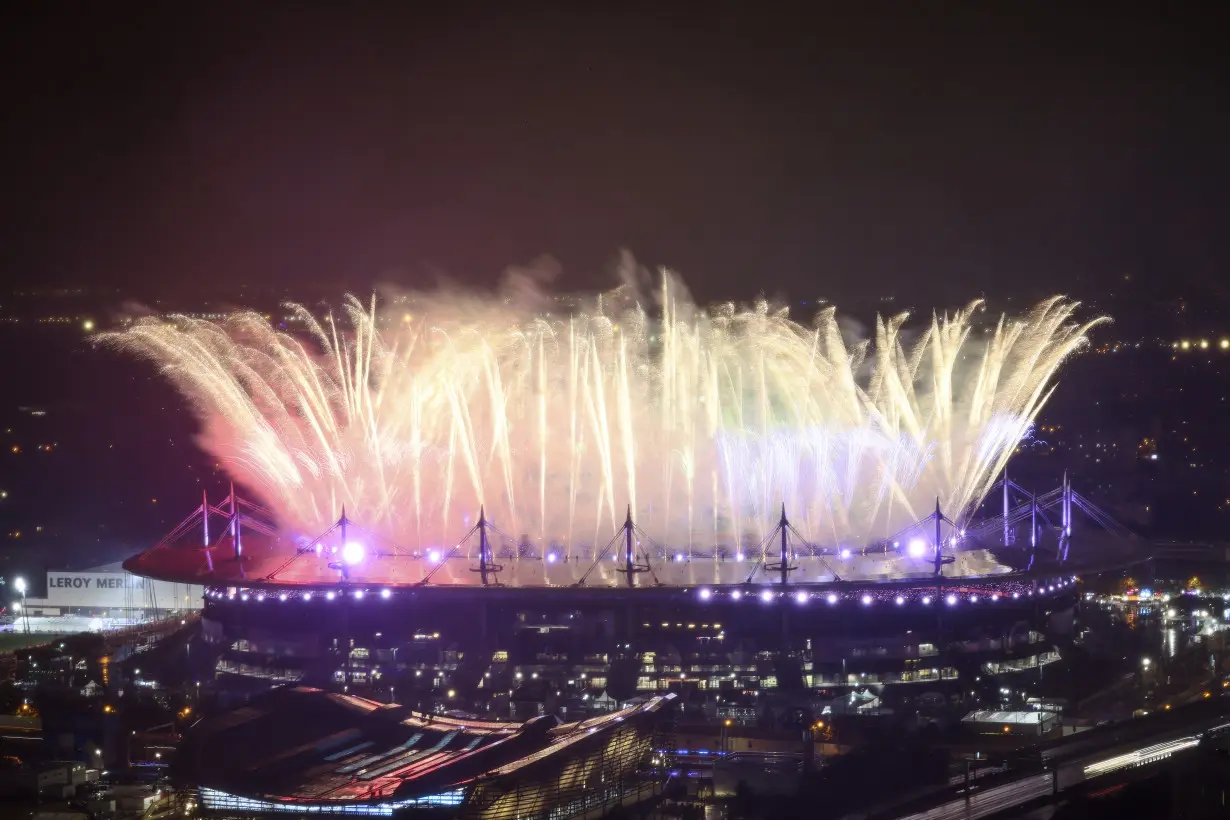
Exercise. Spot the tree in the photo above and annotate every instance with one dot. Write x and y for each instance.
(621, 678)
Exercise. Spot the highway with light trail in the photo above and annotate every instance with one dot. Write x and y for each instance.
(996, 799)
(1076, 759)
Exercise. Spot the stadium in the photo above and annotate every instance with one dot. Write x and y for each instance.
(479, 505)
(503, 627)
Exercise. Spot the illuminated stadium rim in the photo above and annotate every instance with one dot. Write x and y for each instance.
(898, 593)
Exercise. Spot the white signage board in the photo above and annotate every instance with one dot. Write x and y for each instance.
(119, 590)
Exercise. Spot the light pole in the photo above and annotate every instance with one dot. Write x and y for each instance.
(20, 585)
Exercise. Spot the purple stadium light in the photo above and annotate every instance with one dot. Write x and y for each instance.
(704, 594)
(801, 597)
(766, 596)
(917, 548)
(832, 598)
(352, 553)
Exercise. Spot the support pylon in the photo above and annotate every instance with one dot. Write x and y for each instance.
(630, 567)
(940, 560)
(1008, 539)
(783, 566)
(342, 522)
(236, 529)
(485, 568)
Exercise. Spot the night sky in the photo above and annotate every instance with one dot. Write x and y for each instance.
(937, 153)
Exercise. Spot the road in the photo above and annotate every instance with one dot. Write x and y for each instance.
(990, 801)
(1033, 787)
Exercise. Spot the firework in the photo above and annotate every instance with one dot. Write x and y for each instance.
(704, 422)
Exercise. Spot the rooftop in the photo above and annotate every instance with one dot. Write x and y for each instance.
(308, 747)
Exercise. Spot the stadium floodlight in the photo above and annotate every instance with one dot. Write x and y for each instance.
(917, 548)
(352, 553)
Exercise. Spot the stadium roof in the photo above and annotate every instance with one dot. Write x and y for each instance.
(307, 747)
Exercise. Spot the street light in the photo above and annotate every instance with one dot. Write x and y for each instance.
(20, 585)
(1146, 663)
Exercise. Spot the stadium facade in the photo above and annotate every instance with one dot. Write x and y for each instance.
(508, 631)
